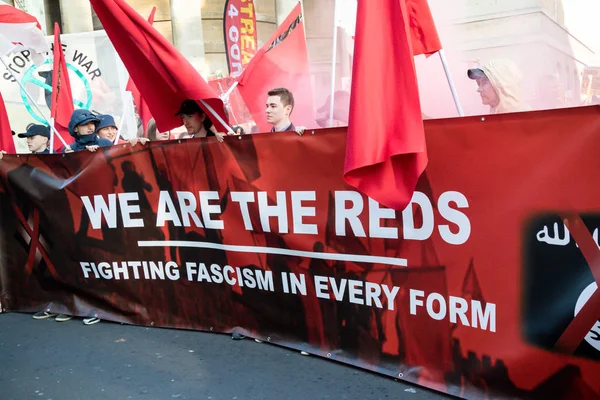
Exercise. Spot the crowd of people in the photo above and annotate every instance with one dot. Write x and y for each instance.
(499, 84)
(91, 131)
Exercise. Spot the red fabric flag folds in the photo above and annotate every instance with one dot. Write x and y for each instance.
(61, 105)
(424, 36)
(385, 152)
(6, 140)
(164, 77)
(140, 104)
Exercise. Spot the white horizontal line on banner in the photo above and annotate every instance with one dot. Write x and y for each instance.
(357, 258)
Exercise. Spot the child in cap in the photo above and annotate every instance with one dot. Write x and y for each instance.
(38, 138)
(107, 129)
(83, 128)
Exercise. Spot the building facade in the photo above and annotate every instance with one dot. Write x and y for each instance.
(544, 37)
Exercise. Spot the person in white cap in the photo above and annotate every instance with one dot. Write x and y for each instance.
(499, 85)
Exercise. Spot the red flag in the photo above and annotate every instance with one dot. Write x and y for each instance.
(20, 31)
(61, 105)
(164, 77)
(385, 152)
(6, 140)
(142, 108)
(424, 36)
(281, 62)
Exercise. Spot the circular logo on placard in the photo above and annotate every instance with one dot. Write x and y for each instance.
(42, 71)
(593, 336)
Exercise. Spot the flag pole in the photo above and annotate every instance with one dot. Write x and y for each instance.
(451, 82)
(128, 100)
(33, 103)
(51, 136)
(225, 96)
(218, 117)
(333, 62)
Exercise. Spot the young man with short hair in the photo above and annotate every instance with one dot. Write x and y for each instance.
(280, 105)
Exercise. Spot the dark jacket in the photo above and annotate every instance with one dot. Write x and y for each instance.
(290, 127)
(89, 140)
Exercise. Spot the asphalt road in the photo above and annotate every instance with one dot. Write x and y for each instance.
(47, 360)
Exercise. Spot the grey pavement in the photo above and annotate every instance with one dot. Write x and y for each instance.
(48, 360)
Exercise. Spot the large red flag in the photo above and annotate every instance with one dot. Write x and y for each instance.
(424, 36)
(164, 77)
(7, 143)
(142, 108)
(61, 105)
(385, 152)
(281, 62)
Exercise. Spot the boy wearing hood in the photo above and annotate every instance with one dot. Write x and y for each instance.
(83, 128)
(499, 85)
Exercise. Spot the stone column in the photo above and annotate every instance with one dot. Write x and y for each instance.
(76, 16)
(188, 37)
(36, 8)
(318, 22)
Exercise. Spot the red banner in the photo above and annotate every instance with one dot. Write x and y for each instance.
(484, 287)
(241, 38)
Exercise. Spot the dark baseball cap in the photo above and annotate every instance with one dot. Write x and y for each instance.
(34, 130)
(105, 121)
(189, 107)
